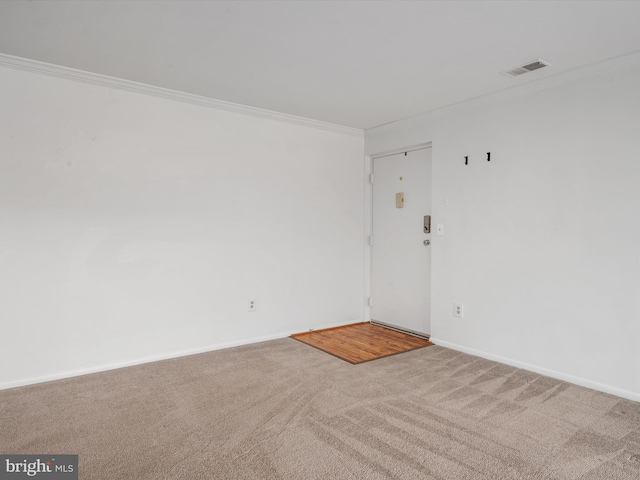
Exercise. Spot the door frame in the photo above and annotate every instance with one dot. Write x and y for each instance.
(368, 220)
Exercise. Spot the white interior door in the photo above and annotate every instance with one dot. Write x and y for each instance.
(401, 252)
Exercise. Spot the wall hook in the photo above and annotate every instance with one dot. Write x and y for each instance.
(488, 156)
(466, 160)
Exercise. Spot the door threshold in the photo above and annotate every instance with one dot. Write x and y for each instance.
(400, 329)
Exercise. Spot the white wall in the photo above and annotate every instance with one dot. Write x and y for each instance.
(542, 243)
(134, 227)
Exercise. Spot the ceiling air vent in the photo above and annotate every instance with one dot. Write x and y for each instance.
(530, 67)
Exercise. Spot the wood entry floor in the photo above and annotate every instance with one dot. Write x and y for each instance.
(361, 342)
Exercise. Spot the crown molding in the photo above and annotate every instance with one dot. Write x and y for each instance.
(34, 66)
(613, 65)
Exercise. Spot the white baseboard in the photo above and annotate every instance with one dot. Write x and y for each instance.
(154, 358)
(138, 361)
(583, 382)
(334, 325)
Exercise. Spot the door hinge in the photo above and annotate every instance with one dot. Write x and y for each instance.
(371, 178)
(370, 239)
(370, 302)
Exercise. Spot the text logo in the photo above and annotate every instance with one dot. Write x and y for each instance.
(45, 467)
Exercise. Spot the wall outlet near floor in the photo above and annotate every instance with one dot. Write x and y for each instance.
(458, 310)
(251, 305)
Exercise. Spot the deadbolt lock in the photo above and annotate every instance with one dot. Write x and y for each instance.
(427, 224)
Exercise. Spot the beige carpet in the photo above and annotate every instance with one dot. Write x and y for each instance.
(282, 410)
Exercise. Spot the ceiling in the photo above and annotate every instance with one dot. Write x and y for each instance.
(353, 63)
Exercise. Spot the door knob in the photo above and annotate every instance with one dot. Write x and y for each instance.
(427, 242)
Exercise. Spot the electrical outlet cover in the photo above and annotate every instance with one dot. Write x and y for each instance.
(251, 305)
